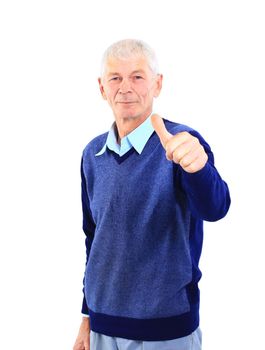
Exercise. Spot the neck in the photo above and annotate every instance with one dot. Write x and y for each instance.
(126, 125)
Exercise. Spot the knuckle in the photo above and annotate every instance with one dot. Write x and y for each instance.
(183, 162)
(185, 133)
(200, 150)
(193, 167)
(169, 153)
(175, 159)
(196, 141)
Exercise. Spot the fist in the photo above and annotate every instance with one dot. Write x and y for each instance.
(182, 148)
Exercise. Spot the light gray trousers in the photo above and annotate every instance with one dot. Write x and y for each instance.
(101, 341)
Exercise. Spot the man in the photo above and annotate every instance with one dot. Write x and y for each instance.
(147, 186)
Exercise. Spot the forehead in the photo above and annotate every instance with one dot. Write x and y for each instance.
(127, 65)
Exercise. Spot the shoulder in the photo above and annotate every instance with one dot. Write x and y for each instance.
(174, 127)
(95, 145)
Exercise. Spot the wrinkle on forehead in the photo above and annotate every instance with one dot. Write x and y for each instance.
(127, 66)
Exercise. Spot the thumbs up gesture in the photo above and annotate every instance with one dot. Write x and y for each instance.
(182, 148)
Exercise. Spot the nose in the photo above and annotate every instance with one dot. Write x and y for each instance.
(125, 86)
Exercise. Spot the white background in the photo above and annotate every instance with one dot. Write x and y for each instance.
(212, 57)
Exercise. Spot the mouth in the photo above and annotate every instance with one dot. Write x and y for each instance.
(126, 102)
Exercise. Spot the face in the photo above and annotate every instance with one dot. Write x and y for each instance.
(129, 86)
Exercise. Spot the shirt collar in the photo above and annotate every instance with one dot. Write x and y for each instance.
(136, 138)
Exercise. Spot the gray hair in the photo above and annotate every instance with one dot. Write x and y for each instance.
(128, 48)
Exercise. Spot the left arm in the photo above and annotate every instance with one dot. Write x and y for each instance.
(207, 193)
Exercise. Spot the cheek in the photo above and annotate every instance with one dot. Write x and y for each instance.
(143, 91)
(147, 89)
(110, 94)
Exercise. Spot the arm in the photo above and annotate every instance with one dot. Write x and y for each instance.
(88, 228)
(83, 338)
(208, 195)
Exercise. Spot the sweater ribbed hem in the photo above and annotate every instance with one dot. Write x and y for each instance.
(155, 329)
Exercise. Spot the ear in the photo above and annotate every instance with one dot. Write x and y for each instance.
(101, 87)
(158, 85)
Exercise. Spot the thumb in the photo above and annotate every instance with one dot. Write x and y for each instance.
(160, 129)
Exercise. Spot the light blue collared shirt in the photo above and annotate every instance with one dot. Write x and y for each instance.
(136, 138)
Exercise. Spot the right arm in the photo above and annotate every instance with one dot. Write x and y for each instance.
(82, 340)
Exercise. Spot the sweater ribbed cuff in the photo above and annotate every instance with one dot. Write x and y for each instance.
(85, 309)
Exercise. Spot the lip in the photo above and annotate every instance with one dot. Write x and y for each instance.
(126, 102)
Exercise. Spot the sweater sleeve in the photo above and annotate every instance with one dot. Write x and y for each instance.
(88, 228)
(208, 195)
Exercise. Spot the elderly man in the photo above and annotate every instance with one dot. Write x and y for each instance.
(147, 186)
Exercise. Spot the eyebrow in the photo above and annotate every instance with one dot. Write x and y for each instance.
(113, 73)
(134, 72)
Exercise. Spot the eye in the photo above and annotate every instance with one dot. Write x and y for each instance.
(114, 79)
(137, 77)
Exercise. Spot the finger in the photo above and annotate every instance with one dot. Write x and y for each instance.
(178, 145)
(195, 166)
(194, 161)
(183, 149)
(160, 129)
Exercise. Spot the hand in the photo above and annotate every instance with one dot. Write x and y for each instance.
(83, 339)
(182, 148)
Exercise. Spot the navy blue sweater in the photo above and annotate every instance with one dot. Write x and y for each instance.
(143, 220)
